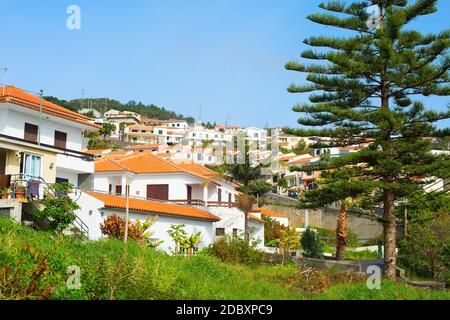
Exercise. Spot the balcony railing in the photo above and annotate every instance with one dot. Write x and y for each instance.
(201, 203)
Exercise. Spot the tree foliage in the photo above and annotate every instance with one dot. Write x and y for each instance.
(363, 88)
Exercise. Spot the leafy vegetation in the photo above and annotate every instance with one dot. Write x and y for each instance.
(103, 104)
(366, 83)
(311, 244)
(34, 265)
(426, 248)
(58, 210)
(235, 250)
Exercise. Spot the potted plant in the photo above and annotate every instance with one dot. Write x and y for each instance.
(19, 191)
(4, 193)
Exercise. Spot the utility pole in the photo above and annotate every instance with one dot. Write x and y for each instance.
(41, 94)
(127, 209)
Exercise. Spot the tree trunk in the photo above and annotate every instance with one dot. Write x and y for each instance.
(342, 232)
(389, 226)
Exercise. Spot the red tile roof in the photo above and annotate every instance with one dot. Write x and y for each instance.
(143, 163)
(22, 98)
(159, 208)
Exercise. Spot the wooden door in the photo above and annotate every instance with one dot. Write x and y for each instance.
(219, 195)
(189, 194)
(118, 190)
(158, 191)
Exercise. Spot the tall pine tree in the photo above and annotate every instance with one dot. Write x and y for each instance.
(365, 87)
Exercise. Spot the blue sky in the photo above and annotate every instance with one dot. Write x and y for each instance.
(226, 55)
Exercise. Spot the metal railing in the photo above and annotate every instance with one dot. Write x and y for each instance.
(22, 181)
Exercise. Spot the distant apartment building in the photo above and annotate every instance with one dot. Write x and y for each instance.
(198, 135)
(143, 134)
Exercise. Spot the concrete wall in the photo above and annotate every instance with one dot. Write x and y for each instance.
(11, 208)
(326, 218)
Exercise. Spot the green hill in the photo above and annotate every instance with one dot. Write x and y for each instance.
(105, 104)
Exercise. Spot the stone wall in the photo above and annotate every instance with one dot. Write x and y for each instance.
(326, 218)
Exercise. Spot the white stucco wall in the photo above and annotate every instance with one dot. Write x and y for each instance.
(89, 213)
(163, 223)
(234, 218)
(15, 117)
(177, 185)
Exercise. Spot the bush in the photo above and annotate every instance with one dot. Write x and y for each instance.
(59, 210)
(311, 244)
(426, 248)
(272, 230)
(235, 250)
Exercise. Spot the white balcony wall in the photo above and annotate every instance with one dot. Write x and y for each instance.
(15, 117)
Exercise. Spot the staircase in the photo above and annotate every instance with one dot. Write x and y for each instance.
(78, 227)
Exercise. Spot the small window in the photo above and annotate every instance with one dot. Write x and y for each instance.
(60, 139)
(31, 132)
(199, 157)
(235, 233)
(220, 232)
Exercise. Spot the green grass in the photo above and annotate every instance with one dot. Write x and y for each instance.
(33, 265)
(351, 255)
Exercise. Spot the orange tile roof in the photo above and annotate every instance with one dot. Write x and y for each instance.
(27, 100)
(269, 213)
(143, 163)
(154, 207)
(255, 218)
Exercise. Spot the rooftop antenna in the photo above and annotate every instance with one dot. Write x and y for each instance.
(5, 75)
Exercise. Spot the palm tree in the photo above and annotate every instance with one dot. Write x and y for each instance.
(342, 231)
(246, 204)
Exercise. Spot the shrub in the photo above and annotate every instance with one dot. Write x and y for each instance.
(272, 230)
(184, 243)
(114, 228)
(60, 209)
(236, 250)
(426, 248)
(311, 244)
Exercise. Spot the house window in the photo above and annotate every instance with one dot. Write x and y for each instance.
(235, 233)
(220, 232)
(31, 165)
(199, 157)
(60, 139)
(255, 135)
(31, 132)
(159, 191)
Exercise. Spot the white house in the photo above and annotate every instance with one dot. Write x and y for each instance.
(151, 178)
(41, 139)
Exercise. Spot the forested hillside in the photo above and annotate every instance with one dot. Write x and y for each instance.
(105, 104)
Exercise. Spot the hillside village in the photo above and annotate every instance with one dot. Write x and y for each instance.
(163, 168)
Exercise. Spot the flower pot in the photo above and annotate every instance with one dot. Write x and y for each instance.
(20, 194)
